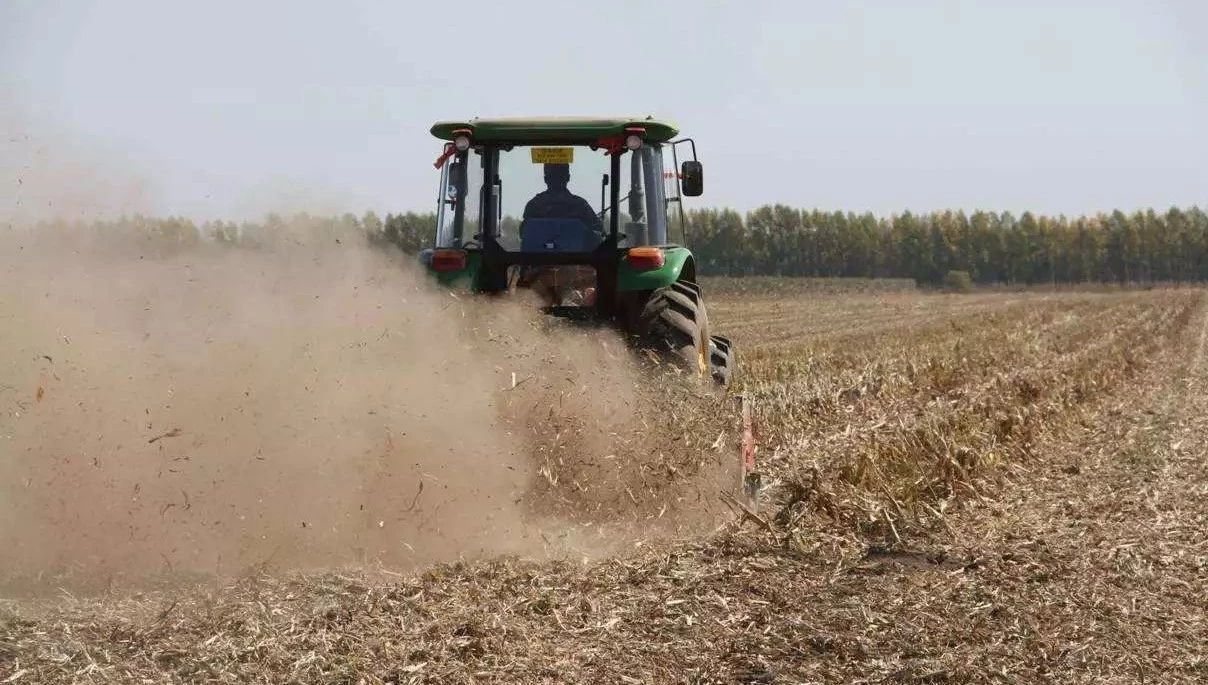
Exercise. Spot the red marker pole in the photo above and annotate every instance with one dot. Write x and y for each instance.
(749, 479)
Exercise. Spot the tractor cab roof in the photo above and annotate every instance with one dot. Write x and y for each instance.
(566, 130)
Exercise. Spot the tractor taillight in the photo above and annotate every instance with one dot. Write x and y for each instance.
(645, 258)
(446, 261)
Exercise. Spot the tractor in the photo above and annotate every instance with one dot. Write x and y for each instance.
(588, 214)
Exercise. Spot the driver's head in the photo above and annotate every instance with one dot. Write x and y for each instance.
(557, 176)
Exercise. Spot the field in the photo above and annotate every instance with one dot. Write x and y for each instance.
(982, 488)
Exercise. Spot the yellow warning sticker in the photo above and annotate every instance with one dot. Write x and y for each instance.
(553, 155)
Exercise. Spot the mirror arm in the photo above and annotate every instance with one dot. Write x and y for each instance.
(690, 142)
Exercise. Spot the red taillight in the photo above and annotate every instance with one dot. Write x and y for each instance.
(445, 261)
(645, 258)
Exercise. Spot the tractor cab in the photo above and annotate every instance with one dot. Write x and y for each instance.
(559, 205)
(586, 212)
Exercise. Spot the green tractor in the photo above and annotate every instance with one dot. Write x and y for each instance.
(579, 210)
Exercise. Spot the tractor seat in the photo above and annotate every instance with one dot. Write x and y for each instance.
(557, 235)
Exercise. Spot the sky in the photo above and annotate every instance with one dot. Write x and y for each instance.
(231, 109)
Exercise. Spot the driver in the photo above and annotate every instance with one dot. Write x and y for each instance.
(557, 202)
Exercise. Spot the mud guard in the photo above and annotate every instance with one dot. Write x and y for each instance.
(678, 265)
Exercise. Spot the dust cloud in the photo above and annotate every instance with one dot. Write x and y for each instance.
(47, 173)
(303, 406)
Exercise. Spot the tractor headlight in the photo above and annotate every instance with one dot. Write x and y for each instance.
(461, 142)
(633, 141)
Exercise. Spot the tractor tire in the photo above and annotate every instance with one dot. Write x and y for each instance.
(674, 324)
(723, 360)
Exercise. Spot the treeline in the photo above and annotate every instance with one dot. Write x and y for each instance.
(991, 247)
(777, 240)
(1144, 246)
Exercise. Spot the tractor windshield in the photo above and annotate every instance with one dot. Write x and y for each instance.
(555, 198)
(553, 195)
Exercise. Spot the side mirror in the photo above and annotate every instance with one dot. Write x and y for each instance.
(692, 179)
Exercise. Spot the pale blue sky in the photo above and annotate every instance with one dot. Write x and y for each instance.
(232, 108)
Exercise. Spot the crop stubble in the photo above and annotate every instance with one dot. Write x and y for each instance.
(983, 488)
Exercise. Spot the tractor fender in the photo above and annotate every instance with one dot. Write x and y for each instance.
(678, 265)
(466, 278)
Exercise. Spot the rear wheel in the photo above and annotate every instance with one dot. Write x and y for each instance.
(674, 324)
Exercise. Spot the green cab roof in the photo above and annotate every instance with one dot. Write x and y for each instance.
(582, 130)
